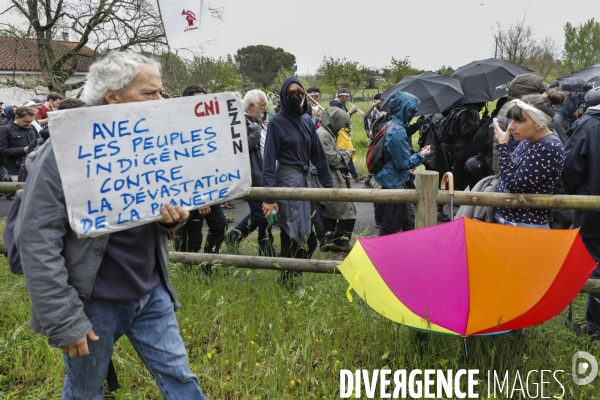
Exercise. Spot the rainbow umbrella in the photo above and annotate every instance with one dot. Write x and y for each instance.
(468, 277)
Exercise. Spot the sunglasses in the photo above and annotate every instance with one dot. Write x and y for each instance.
(298, 91)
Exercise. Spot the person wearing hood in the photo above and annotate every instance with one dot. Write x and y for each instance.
(291, 146)
(581, 176)
(398, 161)
(339, 217)
(343, 95)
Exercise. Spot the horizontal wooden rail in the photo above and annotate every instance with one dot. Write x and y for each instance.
(511, 200)
(291, 264)
(256, 262)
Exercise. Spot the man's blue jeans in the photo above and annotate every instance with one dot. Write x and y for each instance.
(152, 329)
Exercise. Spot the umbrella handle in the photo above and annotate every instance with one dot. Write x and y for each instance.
(448, 177)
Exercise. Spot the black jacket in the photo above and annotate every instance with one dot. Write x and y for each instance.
(467, 124)
(13, 140)
(581, 174)
(254, 128)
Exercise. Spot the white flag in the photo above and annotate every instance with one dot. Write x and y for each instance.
(183, 21)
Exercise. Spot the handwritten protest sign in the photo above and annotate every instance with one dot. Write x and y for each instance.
(120, 163)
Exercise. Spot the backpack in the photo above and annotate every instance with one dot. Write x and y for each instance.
(483, 144)
(374, 159)
(484, 138)
(448, 132)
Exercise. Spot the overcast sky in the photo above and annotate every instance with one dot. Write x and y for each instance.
(431, 32)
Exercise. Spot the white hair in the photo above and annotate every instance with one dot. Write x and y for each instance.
(115, 71)
(253, 97)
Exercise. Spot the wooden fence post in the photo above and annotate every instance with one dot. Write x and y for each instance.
(426, 208)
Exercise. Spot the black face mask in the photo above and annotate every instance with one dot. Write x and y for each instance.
(292, 104)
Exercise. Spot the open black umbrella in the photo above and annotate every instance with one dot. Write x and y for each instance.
(436, 92)
(589, 74)
(487, 80)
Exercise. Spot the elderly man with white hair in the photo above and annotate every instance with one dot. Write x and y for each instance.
(88, 292)
(255, 105)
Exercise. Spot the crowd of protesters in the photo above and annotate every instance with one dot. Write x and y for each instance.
(87, 292)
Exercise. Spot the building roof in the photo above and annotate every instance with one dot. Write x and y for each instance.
(18, 54)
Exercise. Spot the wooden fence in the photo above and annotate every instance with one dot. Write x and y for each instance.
(426, 198)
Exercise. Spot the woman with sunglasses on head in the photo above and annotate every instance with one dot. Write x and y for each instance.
(291, 146)
(536, 164)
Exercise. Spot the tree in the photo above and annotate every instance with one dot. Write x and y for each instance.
(281, 76)
(175, 73)
(215, 74)
(336, 73)
(398, 70)
(259, 64)
(107, 24)
(372, 77)
(545, 60)
(518, 44)
(445, 70)
(101, 25)
(582, 45)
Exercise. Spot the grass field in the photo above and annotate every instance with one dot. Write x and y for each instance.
(249, 338)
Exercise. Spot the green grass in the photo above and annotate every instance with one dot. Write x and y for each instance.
(248, 338)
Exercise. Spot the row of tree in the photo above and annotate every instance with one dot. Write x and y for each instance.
(267, 67)
(544, 56)
(124, 24)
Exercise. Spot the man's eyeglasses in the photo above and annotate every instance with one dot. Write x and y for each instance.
(298, 91)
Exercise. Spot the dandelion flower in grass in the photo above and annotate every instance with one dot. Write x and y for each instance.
(252, 342)
(209, 355)
(316, 340)
(292, 383)
(337, 362)
(334, 352)
(289, 302)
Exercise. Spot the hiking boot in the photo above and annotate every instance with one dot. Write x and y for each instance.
(227, 204)
(359, 178)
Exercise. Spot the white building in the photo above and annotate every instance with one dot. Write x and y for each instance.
(19, 63)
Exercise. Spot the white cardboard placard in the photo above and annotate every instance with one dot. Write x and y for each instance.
(120, 163)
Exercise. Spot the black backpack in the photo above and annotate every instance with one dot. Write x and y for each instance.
(483, 141)
(448, 133)
(374, 158)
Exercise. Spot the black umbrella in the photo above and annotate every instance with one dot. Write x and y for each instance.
(589, 74)
(487, 80)
(436, 92)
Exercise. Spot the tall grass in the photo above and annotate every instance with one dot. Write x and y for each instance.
(249, 338)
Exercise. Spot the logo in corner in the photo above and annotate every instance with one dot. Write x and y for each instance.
(580, 368)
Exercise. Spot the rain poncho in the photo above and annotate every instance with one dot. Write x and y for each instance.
(396, 153)
(333, 120)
